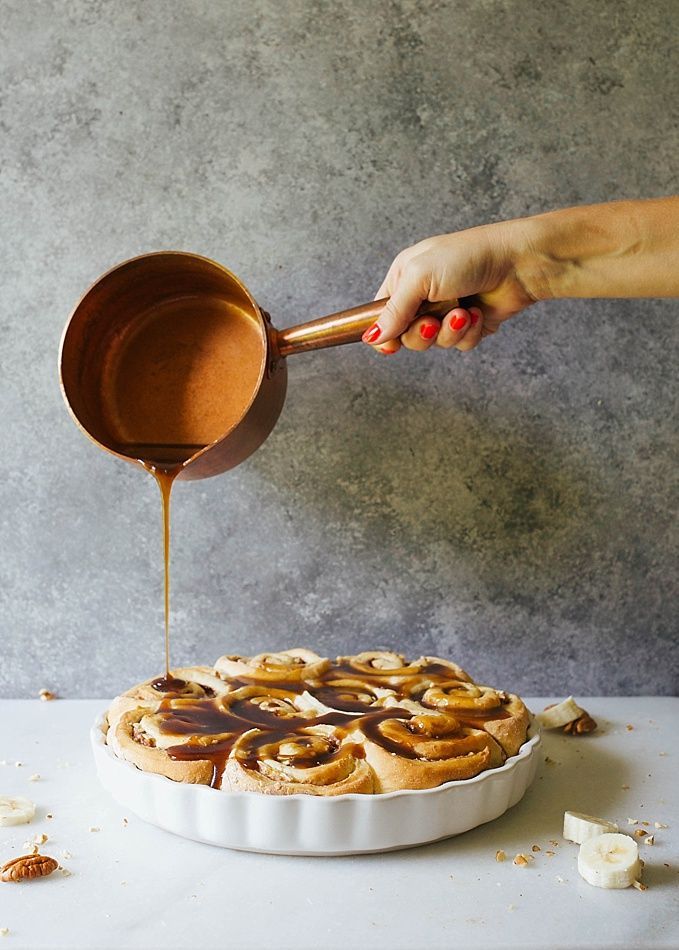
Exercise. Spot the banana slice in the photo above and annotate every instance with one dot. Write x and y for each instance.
(15, 811)
(609, 860)
(578, 827)
(564, 712)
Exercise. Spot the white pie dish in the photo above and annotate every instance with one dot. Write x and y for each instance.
(310, 825)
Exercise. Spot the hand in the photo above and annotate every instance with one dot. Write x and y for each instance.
(620, 249)
(478, 266)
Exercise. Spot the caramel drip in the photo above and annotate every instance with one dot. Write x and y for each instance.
(226, 720)
(165, 479)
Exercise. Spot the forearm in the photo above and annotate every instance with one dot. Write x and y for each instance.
(621, 249)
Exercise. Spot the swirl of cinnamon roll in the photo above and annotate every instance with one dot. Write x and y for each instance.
(502, 715)
(410, 749)
(288, 666)
(312, 761)
(456, 696)
(392, 669)
(350, 696)
(268, 707)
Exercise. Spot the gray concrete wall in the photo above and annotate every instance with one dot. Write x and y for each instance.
(511, 508)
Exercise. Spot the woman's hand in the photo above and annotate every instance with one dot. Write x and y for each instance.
(480, 266)
(621, 249)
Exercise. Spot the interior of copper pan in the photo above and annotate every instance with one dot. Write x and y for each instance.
(163, 356)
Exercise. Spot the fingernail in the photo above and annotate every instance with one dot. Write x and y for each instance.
(372, 334)
(428, 331)
(386, 352)
(458, 323)
(475, 316)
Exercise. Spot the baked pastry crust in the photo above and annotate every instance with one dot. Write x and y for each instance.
(295, 722)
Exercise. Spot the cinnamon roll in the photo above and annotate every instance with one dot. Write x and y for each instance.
(179, 739)
(191, 682)
(314, 761)
(288, 666)
(502, 715)
(423, 750)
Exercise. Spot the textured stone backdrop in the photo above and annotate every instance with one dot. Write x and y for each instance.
(511, 508)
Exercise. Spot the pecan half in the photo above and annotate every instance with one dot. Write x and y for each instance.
(27, 866)
(581, 725)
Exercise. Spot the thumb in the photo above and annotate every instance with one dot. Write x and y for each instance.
(401, 308)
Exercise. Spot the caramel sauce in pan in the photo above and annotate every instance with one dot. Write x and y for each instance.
(178, 379)
(227, 720)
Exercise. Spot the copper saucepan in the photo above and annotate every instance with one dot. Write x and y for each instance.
(122, 298)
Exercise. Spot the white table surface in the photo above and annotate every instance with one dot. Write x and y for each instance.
(137, 886)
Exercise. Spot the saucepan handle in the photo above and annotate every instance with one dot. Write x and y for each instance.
(347, 326)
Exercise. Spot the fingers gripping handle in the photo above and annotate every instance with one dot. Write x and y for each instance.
(346, 326)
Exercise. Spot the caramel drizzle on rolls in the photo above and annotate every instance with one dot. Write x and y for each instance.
(296, 722)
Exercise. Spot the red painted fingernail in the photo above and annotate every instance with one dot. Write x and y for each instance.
(458, 323)
(372, 334)
(475, 316)
(428, 331)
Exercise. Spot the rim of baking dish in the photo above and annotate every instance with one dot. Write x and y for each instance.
(533, 739)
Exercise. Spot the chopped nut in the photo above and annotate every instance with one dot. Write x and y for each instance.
(94, 828)
(49, 816)
(639, 832)
(34, 778)
(26, 867)
(650, 839)
(550, 854)
(46, 695)
(124, 822)
(18, 764)
(4, 931)
(65, 872)
(521, 860)
(639, 886)
(554, 843)
(662, 753)
(580, 726)
(629, 727)
(646, 823)
(659, 824)
(632, 821)
(625, 787)
(40, 839)
(500, 855)
(536, 847)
